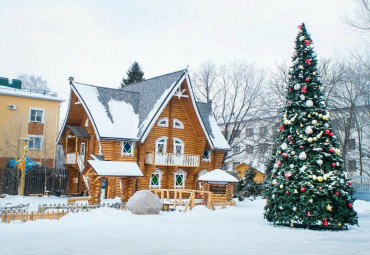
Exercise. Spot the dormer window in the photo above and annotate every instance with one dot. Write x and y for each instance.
(127, 148)
(177, 124)
(206, 156)
(163, 122)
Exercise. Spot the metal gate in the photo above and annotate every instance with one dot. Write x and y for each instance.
(361, 185)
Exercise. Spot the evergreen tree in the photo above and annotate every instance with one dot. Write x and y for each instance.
(248, 187)
(134, 75)
(308, 184)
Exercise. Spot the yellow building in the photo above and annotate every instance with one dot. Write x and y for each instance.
(28, 114)
(242, 168)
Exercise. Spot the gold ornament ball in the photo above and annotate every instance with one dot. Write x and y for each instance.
(339, 224)
(310, 140)
(314, 122)
(292, 153)
(281, 186)
(302, 38)
(320, 179)
(327, 140)
(315, 139)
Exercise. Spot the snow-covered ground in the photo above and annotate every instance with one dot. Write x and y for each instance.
(235, 230)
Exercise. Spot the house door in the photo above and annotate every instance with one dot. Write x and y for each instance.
(82, 151)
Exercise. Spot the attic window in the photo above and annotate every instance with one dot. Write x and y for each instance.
(177, 124)
(163, 122)
(127, 148)
(206, 156)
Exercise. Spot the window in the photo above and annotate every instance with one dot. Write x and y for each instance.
(351, 144)
(218, 188)
(127, 148)
(163, 122)
(155, 179)
(235, 164)
(203, 172)
(178, 146)
(249, 149)
(236, 149)
(352, 165)
(263, 130)
(207, 156)
(161, 144)
(36, 115)
(35, 142)
(179, 179)
(263, 147)
(249, 132)
(177, 124)
(237, 132)
(87, 123)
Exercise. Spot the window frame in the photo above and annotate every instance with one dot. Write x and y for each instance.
(158, 172)
(249, 134)
(31, 137)
(263, 130)
(36, 109)
(249, 149)
(234, 149)
(355, 166)
(178, 173)
(208, 159)
(351, 144)
(164, 144)
(132, 144)
(177, 121)
(162, 119)
(175, 139)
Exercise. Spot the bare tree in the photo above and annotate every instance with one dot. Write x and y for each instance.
(33, 82)
(235, 92)
(361, 18)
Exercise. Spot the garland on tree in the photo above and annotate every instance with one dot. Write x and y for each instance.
(308, 186)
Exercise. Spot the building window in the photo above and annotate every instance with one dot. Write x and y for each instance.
(352, 165)
(163, 122)
(161, 145)
(237, 132)
(217, 188)
(36, 115)
(203, 172)
(236, 149)
(127, 148)
(249, 149)
(177, 124)
(178, 146)
(155, 179)
(249, 132)
(263, 147)
(35, 142)
(235, 164)
(351, 144)
(263, 130)
(179, 179)
(207, 156)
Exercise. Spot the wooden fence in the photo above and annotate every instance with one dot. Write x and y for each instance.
(7, 217)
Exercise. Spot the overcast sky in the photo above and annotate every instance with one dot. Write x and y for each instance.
(96, 41)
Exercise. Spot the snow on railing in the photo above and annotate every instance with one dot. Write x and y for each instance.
(172, 159)
(71, 158)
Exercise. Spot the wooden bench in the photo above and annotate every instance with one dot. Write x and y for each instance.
(35, 195)
(72, 201)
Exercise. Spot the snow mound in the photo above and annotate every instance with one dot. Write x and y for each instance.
(144, 202)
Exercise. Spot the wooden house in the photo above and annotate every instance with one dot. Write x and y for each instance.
(243, 167)
(220, 183)
(148, 135)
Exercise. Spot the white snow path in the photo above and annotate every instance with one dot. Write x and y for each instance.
(235, 230)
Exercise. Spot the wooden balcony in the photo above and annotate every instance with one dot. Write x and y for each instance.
(172, 159)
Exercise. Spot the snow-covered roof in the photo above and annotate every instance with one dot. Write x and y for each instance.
(217, 175)
(115, 168)
(130, 112)
(4, 90)
(209, 121)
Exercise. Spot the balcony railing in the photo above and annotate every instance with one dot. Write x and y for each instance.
(71, 158)
(172, 159)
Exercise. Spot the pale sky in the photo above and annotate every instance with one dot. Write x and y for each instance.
(97, 41)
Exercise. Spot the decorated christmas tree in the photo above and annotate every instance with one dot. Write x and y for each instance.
(308, 185)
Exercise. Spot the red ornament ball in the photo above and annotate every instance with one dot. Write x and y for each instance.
(303, 189)
(289, 137)
(309, 214)
(331, 150)
(290, 89)
(291, 142)
(307, 79)
(279, 163)
(333, 164)
(349, 183)
(327, 132)
(301, 146)
(331, 134)
(287, 192)
(320, 188)
(337, 193)
(285, 155)
(349, 205)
